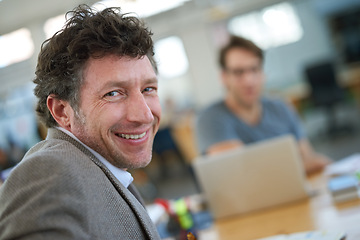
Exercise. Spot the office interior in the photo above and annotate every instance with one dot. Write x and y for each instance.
(187, 40)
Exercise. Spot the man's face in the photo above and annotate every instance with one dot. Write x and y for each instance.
(119, 112)
(243, 77)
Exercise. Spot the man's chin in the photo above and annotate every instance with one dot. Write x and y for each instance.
(249, 104)
(136, 166)
(136, 163)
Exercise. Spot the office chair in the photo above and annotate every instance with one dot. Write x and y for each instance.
(164, 143)
(326, 92)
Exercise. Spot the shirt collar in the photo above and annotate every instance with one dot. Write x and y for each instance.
(123, 176)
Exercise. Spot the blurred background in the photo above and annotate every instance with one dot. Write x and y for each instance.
(302, 39)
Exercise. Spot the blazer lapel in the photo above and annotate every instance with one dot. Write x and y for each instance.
(134, 203)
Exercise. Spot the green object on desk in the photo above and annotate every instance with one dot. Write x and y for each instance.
(357, 174)
(181, 210)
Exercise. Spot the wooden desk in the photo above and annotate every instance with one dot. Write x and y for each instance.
(316, 213)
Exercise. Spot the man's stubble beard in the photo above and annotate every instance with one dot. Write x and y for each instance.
(114, 158)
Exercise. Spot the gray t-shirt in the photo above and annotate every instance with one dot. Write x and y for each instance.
(217, 124)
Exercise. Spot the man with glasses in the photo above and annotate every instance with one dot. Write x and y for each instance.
(245, 116)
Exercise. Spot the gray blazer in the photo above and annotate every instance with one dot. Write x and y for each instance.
(60, 190)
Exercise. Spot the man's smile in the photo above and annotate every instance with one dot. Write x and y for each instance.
(131, 136)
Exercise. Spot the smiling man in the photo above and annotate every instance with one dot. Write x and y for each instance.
(97, 89)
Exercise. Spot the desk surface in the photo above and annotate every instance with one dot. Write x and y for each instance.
(317, 213)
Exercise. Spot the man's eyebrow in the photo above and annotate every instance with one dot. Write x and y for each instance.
(152, 80)
(112, 84)
(119, 84)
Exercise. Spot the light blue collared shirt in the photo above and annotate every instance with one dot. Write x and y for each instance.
(123, 176)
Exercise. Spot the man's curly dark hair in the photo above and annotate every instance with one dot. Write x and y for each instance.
(86, 34)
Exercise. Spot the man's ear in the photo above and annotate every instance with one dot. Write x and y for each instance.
(61, 111)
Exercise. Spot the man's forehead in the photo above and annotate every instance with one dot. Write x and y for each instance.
(242, 57)
(113, 70)
(241, 50)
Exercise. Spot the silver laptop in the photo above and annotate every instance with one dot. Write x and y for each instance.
(257, 176)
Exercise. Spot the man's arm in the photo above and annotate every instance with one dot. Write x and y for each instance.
(224, 146)
(40, 201)
(313, 161)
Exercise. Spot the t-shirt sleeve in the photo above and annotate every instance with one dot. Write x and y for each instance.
(294, 121)
(213, 126)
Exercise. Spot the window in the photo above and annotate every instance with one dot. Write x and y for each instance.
(171, 57)
(173, 68)
(270, 27)
(15, 47)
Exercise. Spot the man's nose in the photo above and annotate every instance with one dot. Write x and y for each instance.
(249, 77)
(138, 110)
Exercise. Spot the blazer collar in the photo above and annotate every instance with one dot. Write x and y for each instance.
(135, 204)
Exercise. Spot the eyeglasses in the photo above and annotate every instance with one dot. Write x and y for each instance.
(240, 72)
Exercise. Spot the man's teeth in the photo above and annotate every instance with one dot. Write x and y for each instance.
(130, 136)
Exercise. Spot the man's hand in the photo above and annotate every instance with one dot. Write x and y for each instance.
(224, 146)
(313, 161)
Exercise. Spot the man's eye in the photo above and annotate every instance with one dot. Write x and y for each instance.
(239, 72)
(112, 94)
(149, 89)
(256, 69)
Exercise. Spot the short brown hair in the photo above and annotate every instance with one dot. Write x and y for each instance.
(239, 42)
(87, 34)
